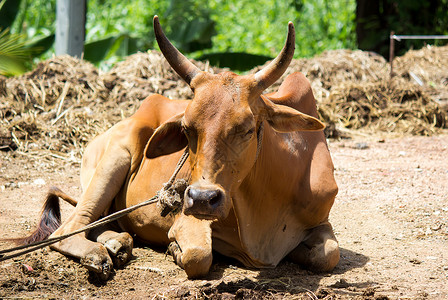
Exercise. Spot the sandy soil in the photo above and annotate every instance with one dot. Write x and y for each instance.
(391, 219)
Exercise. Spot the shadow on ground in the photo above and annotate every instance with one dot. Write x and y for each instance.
(286, 278)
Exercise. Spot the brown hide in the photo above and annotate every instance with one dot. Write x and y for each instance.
(289, 189)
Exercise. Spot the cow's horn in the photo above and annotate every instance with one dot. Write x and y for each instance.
(178, 62)
(272, 72)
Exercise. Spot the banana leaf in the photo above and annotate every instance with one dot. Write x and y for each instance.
(238, 61)
(14, 53)
(8, 12)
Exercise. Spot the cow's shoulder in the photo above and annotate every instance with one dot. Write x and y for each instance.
(153, 111)
(133, 132)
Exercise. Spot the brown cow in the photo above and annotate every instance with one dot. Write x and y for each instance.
(260, 175)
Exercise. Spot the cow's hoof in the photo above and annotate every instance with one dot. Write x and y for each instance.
(99, 263)
(120, 248)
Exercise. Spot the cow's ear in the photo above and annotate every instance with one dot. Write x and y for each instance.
(286, 119)
(168, 138)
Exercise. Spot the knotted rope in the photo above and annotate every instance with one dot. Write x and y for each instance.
(169, 189)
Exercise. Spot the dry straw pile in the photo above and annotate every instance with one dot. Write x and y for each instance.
(354, 90)
(64, 102)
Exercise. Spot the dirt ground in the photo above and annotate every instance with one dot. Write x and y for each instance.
(390, 217)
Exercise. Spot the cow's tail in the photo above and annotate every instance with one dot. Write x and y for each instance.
(50, 218)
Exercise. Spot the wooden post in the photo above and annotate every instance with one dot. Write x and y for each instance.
(70, 27)
(391, 53)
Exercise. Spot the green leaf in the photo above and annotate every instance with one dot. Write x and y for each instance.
(13, 53)
(97, 50)
(8, 12)
(239, 61)
(41, 44)
(194, 35)
(124, 46)
(10, 66)
(117, 45)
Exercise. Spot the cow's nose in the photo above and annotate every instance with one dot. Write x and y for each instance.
(203, 198)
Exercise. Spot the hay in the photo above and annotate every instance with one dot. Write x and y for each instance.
(428, 67)
(53, 107)
(383, 106)
(143, 74)
(353, 90)
(64, 102)
(54, 110)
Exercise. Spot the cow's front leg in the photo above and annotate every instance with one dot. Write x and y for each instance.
(319, 251)
(118, 244)
(106, 181)
(192, 245)
(91, 255)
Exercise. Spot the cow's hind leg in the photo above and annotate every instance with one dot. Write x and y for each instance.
(319, 251)
(118, 244)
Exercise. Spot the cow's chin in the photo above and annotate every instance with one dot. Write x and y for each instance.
(201, 216)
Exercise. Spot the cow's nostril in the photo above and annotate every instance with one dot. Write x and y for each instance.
(210, 197)
(215, 199)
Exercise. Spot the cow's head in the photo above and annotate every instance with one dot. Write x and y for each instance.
(221, 126)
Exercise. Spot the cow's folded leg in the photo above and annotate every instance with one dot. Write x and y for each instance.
(319, 251)
(91, 255)
(101, 187)
(176, 253)
(192, 246)
(118, 244)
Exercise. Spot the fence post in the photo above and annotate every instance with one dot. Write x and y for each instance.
(391, 53)
(70, 27)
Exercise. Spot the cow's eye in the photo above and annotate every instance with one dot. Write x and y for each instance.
(249, 132)
(190, 133)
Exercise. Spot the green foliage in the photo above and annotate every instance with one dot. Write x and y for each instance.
(201, 27)
(260, 27)
(36, 18)
(376, 19)
(418, 17)
(116, 45)
(241, 61)
(14, 49)
(8, 11)
(115, 18)
(186, 22)
(13, 53)
(189, 25)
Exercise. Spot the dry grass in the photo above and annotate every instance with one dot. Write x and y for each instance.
(64, 102)
(354, 90)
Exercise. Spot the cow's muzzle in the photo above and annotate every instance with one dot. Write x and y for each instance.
(204, 202)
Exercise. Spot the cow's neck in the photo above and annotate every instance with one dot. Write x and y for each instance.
(263, 202)
(278, 166)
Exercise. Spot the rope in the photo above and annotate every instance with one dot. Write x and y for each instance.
(260, 139)
(98, 223)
